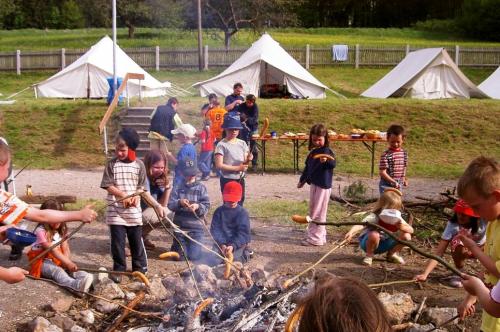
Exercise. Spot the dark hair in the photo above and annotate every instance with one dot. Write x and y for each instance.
(251, 98)
(130, 137)
(212, 96)
(343, 305)
(237, 85)
(151, 158)
(172, 100)
(51, 204)
(319, 130)
(396, 130)
(473, 224)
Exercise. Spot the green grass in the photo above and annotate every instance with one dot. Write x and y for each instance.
(31, 39)
(443, 135)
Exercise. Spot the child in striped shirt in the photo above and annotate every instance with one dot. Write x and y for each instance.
(394, 161)
(123, 176)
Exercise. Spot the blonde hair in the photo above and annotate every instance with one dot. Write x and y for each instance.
(482, 175)
(4, 152)
(388, 200)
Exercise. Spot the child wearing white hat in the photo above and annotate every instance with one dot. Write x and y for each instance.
(387, 213)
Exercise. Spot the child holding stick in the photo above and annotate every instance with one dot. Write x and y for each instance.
(123, 176)
(388, 215)
(13, 210)
(318, 173)
(479, 186)
(56, 264)
(465, 222)
(189, 201)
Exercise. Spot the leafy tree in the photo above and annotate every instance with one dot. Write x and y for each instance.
(480, 19)
(7, 9)
(71, 16)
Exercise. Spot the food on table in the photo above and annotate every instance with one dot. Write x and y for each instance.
(372, 134)
(342, 136)
(357, 131)
(289, 134)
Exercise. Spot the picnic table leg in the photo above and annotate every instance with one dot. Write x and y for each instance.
(295, 156)
(372, 153)
(263, 156)
(373, 158)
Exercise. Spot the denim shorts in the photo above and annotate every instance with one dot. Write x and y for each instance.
(384, 245)
(383, 184)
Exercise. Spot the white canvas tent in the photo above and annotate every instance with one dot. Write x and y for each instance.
(425, 74)
(265, 62)
(491, 85)
(86, 77)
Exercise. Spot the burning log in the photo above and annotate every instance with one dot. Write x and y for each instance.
(126, 311)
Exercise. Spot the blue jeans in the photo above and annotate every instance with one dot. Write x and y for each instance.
(193, 250)
(384, 245)
(383, 184)
(205, 163)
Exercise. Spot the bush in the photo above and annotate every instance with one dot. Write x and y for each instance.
(480, 19)
(437, 25)
(355, 191)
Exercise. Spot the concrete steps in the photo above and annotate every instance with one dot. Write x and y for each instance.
(138, 118)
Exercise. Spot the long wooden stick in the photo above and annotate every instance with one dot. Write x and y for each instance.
(139, 297)
(395, 238)
(144, 314)
(150, 201)
(293, 279)
(444, 323)
(396, 282)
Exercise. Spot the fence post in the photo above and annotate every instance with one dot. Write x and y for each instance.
(356, 58)
(63, 58)
(18, 62)
(407, 49)
(307, 55)
(457, 54)
(157, 58)
(205, 57)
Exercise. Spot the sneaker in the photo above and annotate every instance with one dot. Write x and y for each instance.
(16, 253)
(248, 252)
(86, 282)
(149, 245)
(205, 178)
(367, 261)
(306, 243)
(456, 282)
(395, 258)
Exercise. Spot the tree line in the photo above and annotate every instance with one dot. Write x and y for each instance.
(477, 18)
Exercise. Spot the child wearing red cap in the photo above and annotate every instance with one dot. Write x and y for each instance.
(466, 222)
(231, 225)
(123, 176)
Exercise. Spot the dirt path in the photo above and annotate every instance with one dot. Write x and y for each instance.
(86, 184)
(277, 246)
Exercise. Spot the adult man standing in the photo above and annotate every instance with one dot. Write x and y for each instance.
(249, 114)
(235, 98)
(165, 119)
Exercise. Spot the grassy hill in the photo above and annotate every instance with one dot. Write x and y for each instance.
(444, 135)
(30, 39)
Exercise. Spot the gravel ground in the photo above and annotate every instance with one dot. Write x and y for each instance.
(277, 246)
